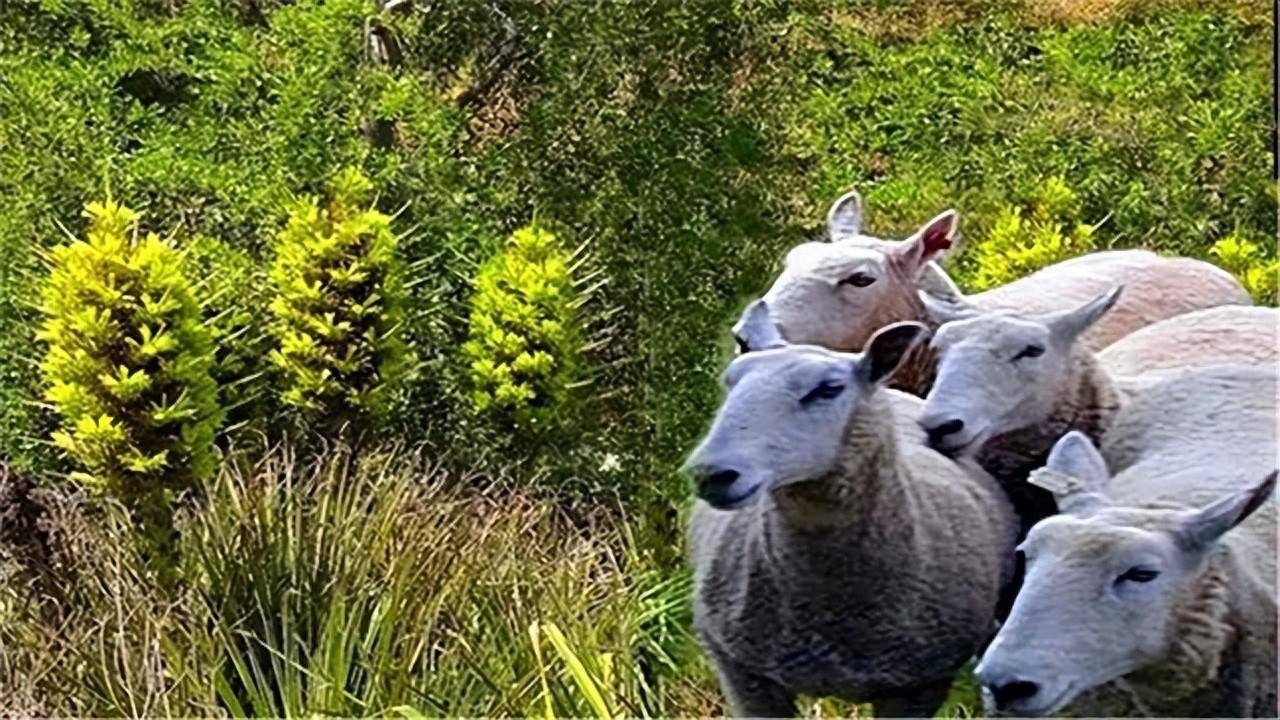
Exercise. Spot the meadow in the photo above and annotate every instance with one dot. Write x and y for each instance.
(385, 417)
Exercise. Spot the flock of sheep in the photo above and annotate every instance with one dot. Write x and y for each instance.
(1069, 477)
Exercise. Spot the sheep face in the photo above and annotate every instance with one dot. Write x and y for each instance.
(1102, 587)
(836, 294)
(998, 373)
(784, 415)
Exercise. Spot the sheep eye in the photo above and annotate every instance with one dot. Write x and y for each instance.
(1030, 351)
(858, 280)
(824, 391)
(1137, 574)
(743, 347)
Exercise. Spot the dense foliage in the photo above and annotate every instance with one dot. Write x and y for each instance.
(338, 305)
(128, 365)
(1019, 244)
(525, 342)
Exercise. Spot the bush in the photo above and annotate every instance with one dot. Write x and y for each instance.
(237, 314)
(1018, 246)
(338, 306)
(1256, 268)
(525, 342)
(128, 365)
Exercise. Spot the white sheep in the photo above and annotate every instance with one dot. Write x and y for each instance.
(834, 554)
(1153, 593)
(1228, 334)
(837, 293)
(1009, 385)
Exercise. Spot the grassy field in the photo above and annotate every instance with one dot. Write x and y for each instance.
(505, 538)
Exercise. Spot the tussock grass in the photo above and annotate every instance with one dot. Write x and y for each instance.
(347, 586)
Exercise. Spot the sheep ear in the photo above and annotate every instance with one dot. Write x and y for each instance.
(886, 350)
(1200, 528)
(1075, 473)
(942, 310)
(1067, 325)
(755, 330)
(929, 242)
(845, 216)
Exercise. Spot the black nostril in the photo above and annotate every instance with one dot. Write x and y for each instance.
(947, 428)
(718, 480)
(1005, 693)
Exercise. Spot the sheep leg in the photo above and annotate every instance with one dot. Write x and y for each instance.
(752, 695)
(920, 701)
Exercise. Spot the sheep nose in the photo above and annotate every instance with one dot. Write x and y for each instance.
(715, 481)
(1008, 691)
(939, 431)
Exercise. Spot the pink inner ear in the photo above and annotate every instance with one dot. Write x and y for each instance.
(936, 238)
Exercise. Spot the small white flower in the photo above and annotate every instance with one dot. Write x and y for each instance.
(611, 463)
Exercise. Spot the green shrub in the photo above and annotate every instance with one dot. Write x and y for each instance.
(525, 343)
(1256, 268)
(237, 313)
(338, 305)
(1019, 245)
(128, 365)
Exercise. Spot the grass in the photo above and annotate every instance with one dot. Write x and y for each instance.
(345, 586)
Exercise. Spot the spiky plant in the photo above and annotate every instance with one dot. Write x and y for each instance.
(128, 367)
(525, 344)
(338, 304)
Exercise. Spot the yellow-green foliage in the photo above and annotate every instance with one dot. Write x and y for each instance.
(129, 362)
(1019, 244)
(524, 344)
(1256, 268)
(339, 298)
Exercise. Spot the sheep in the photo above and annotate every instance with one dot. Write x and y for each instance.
(1227, 334)
(1153, 593)
(837, 293)
(833, 553)
(1009, 385)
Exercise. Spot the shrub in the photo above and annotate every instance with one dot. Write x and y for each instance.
(338, 305)
(525, 344)
(1019, 245)
(237, 313)
(1256, 268)
(128, 365)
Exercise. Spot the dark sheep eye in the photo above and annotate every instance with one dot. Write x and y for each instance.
(858, 280)
(1030, 351)
(824, 391)
(1137, 574)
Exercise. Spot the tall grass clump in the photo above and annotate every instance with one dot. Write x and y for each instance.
(345, 587)
(1020, 244)
(525, 345)
(339, 302)
(128, 367)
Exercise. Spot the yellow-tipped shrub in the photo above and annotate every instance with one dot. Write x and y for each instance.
(337, 310)
(1019, 244)
(524, 346)
(128, 365)
(1256, 268)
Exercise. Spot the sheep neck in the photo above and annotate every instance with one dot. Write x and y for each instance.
(1088, 402)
